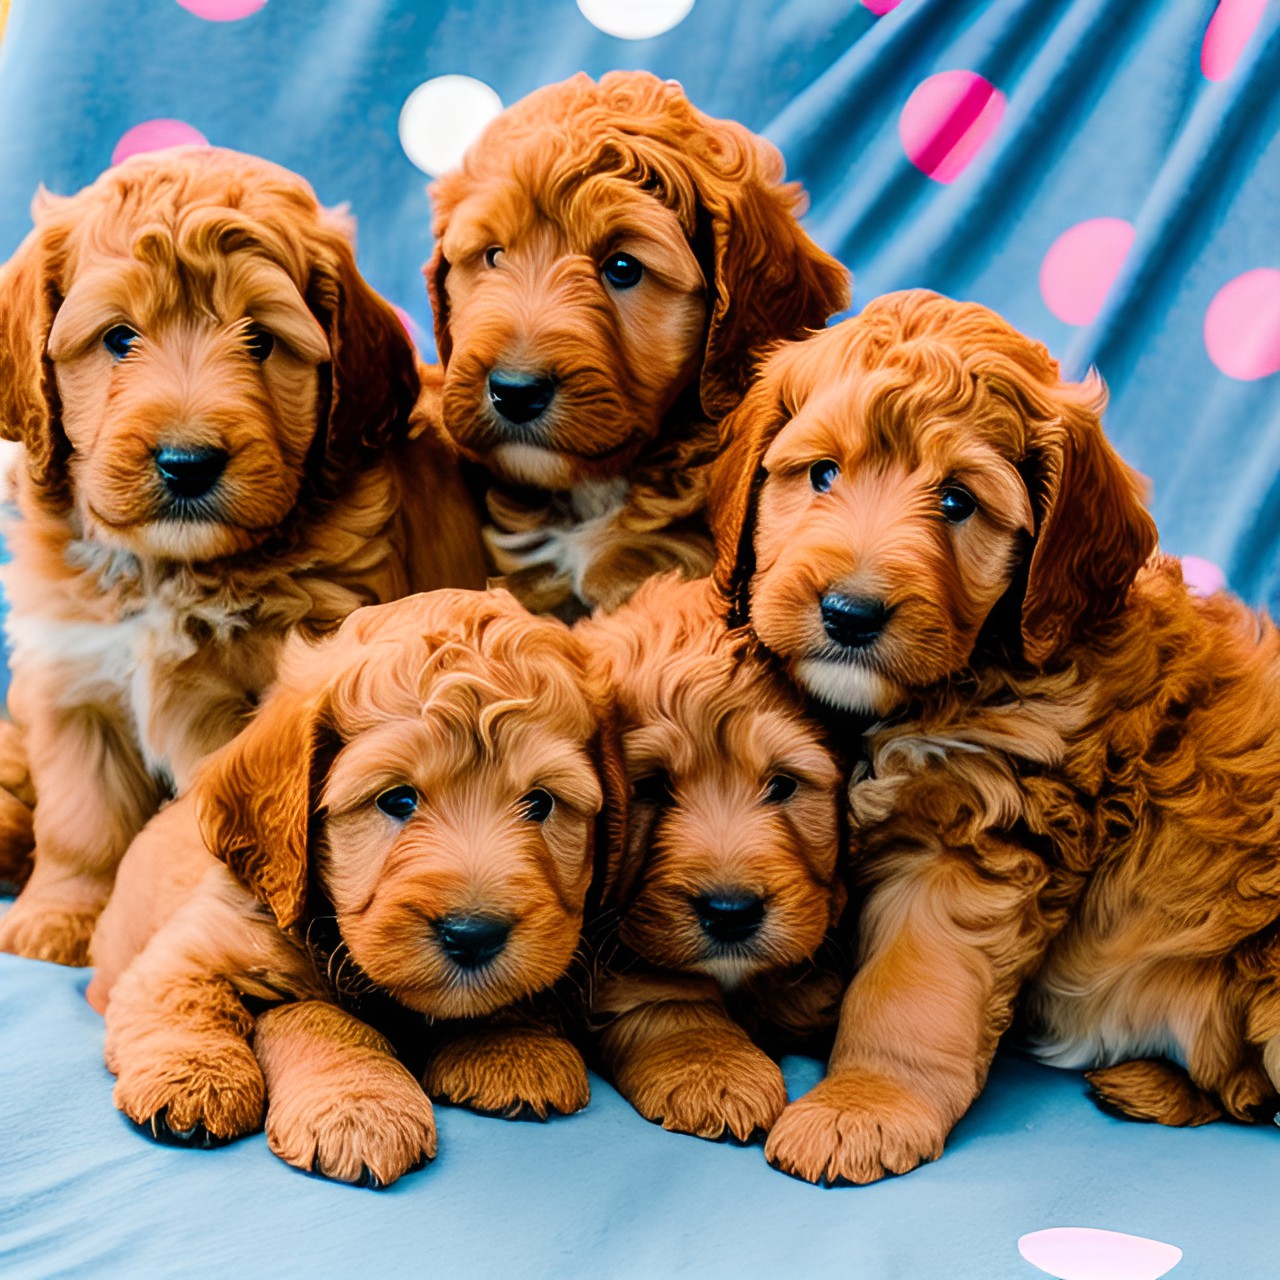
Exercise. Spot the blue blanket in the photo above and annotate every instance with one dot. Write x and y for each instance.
(1106, 175)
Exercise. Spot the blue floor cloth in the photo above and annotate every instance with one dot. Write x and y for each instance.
(600, 1194)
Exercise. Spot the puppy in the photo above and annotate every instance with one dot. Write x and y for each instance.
(408, 821)
(609, 264)
(727, 881)
(222, 443)
(1067, 789)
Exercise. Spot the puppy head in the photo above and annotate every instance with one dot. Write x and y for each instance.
(602, 248)
(428, 774)
(728, 866)
(893, 480)
(186, 345)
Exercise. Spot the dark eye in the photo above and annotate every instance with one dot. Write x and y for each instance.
(261, 343)
(822, 475)
(956, 503)
(780, 788)
(653, 788)
(621, 270)
(491, 255)
(118, 339)
(398, 802)
(536, 805)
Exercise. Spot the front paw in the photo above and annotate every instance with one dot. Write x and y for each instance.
(855, 1126)
(705, 1085)
(194, 1094)
(42, 931)
(514, 1072)
(369, 1129)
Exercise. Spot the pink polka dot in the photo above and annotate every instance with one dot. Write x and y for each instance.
(1088, 1253)
(946, 120)
(155, 135)
(880, 7)
(222, 10)
(1242, 325)
(1081, 265)
(1203, 577)
(1228, 32)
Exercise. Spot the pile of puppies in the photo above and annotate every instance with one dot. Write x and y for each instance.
(891, 729)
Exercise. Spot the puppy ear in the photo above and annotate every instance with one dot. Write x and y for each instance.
(1093, 533)
(736, 477)
(610, 875)
(445, 193)
(254, 801)
(771, 282)
(373, 366)
(29, 299)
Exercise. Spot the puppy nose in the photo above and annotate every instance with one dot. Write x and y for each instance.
(471, 941)
(190, 473)
(853, 621)
(729, 917)
(520, 397)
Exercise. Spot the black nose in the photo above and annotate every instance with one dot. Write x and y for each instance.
(190, 473)
(520, 397)
(853, 621)
(471, 941)
(729, 917)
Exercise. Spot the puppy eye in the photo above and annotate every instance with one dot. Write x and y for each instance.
(822, 475)
(398, 802)
(653, 788)
(260, 342)
(491, 255)
(536, 805)
(622, 270)
(119, 339)
(956, 503)
(780, 788)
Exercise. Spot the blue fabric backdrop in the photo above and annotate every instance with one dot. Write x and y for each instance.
(1107, 114)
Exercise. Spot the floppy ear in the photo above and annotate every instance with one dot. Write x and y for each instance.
(254, 801)
(373, 366)
(736, 477)
(771, 282)
(29, 299)
(1093, 533)
(610, 877)
(445, 193)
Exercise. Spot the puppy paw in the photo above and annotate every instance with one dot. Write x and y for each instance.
(855, 1127)
(1148, 1089)
(369, 1129)
(197, 1094)
(514, 1072)
(41, 931)
(711, 1087)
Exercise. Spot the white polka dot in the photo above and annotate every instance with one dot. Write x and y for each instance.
(635, 19)
(442, 117)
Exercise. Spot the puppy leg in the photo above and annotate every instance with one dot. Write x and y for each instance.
(946, 946)
(95, 795)
(17, 802)
(677, 1056)
(339, 1103)
(1151, 1089)
(517, 1067)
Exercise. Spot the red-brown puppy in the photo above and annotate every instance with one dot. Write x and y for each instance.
(726, 883)
(409, 819)
(1069, 789)
(222, 444)
(609, 264)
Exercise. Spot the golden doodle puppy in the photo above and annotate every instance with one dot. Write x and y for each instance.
(222, 443)
(1067, 790)
(409, 821)
(727, 880)
(609, 264)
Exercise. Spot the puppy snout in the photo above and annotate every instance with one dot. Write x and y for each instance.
(520, 397)
(729, 916)
(190, 472)
(853, 622)
(471, 942)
